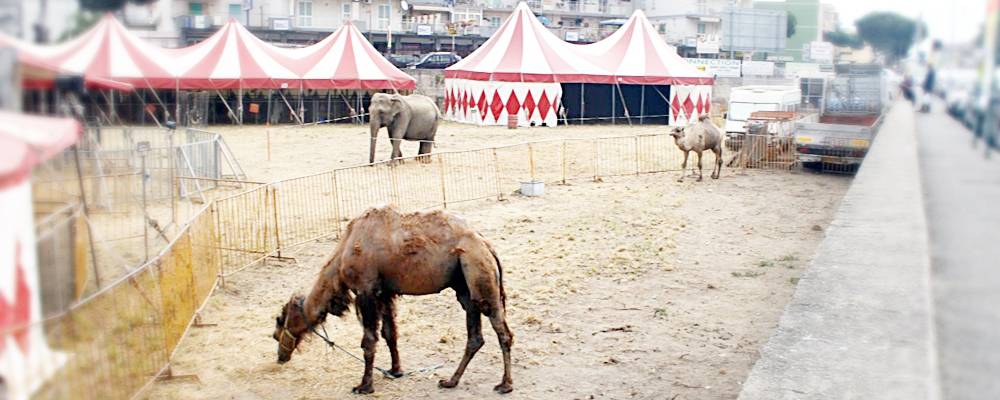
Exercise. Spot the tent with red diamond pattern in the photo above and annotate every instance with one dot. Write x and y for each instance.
(25, 359)
(525, 71)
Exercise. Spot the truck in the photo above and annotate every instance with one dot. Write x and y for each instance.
(745, 100)
(851, 114)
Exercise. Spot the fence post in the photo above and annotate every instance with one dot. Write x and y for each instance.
(218, 244)
(444, 196)
(564, 161)
(336, 203)
(277, 225)
(638, 165)
(531, 161)
(499, 174)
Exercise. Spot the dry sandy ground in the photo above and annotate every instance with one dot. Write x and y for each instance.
(297, 151)
(637, 287)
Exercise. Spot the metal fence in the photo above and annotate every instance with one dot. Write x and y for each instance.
(122, 337)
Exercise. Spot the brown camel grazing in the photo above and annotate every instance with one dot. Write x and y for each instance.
(384, 254)
(698, 137)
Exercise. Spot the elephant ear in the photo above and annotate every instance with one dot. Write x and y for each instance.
(396, 98)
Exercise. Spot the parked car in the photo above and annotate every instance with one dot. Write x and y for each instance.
(402, 60)
(437, 60)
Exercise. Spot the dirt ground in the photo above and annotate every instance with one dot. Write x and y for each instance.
(637, 287)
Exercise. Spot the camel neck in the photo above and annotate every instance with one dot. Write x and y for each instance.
(328, 296)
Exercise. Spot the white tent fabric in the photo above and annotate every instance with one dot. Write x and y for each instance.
(492, 103)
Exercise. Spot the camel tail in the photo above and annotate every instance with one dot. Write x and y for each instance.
(503, 295)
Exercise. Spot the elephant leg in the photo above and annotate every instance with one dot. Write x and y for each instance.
(425, 151)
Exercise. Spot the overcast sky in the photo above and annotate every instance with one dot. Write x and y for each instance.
(949, 20)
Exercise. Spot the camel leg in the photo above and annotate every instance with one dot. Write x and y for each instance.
(473, 343)
(425, 151)
(684, 167)
(717, 171)
(390, 334)
(506, 339)
(368, 307)
(699, 167)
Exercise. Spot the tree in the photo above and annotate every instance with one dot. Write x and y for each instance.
(109, 5)
(792, 23)
(888, 33)
(840, 38)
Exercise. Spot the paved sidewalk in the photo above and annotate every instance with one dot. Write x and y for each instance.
(962, 199)
(860, 323)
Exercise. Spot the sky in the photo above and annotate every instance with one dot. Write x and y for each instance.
(949, 20)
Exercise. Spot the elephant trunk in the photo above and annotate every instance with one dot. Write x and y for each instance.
(374, 126)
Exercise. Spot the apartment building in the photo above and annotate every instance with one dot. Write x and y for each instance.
(695, 27)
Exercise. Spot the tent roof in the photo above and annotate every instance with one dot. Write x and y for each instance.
(26, 141)
(635, 54)
(346, 60)
(38, 73)
(229, 59)
(109, 51)
(523, 50)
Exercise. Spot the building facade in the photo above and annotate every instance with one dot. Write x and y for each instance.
(694, 27)
(808, 28)
(397, 26)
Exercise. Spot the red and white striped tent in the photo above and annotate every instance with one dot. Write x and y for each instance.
(346, 60)
(232, 58)
(517, 71)
(37, 73)
(26, 361)
(109, 52)
(520, 69)
(635, 54)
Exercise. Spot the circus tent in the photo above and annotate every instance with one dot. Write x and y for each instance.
(108, 51)
(37, 73)
(346, 60)
(526, 71)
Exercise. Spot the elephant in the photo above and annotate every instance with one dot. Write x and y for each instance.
(413, 117)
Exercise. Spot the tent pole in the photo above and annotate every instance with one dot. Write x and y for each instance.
(581, 104)
(613, 105)
(177, 103)
(232, 114)
(111, 108)
(290, 108)
(642, 103)
(624, 105)
(302, 104)
(239, 99)
(328, 105)
(145, 110)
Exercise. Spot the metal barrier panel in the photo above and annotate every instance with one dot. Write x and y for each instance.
(617, 156)
(245, 224)
(305, 209)
(417, 183)
(658, 153)
(579, 159)
(765, 152)
(466, 176)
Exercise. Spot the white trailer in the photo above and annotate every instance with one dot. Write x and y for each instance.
(745, 100)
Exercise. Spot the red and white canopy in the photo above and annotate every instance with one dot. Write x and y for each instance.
(524, 50)
(346, 60)
(109, 51)
(26, 141)
(636, 54)
(37, 73)
(231, 58)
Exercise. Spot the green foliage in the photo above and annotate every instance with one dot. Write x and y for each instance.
(80, 22)
(840, 38)
(792, 23)
(888, 33)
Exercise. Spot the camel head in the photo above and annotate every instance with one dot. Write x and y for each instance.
(677, 132)
(290, 328)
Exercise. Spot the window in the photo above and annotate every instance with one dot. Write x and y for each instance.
(495, 21)
(195, 8)
(346, 12)
(663, 29)
(701, 27)
(305, 13)
(383, 17)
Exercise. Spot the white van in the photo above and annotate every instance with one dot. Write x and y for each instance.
(744, 100)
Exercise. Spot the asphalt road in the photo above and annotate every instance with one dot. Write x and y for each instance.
(962, 200)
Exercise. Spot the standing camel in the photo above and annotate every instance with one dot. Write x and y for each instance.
(698, 137)
(385, 254)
